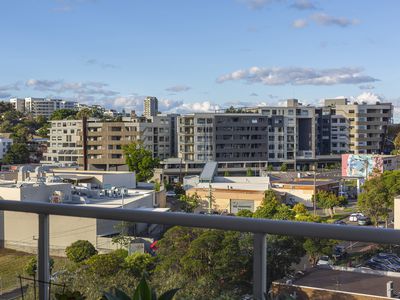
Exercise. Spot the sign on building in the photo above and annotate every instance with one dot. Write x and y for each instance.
(238, 205)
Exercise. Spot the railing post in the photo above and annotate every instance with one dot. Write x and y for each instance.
(260, 266)
(43, 257)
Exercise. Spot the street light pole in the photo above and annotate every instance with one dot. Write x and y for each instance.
(315, 191)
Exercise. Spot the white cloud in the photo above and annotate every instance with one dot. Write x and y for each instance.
(205, 106)
(95, 62)
(367, 97)
(366, 87)
(7, 88)
(298, 76)
(80, 89)
(178, 88)
(256, 4)
(303, 5)
(299, 23)
(326, 20)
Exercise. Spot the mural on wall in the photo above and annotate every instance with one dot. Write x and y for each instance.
(360, 165)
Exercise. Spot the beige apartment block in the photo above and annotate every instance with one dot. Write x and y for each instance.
(98, 145)
(65, 142)
(367, 124)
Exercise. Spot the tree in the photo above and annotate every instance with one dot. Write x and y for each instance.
(315, 247)
(272, 208)
(375, 201)
(106, 264)
(17, 154)
(142, 292)
(20, 134)
(189, 203)
(139, 264)
(140, 160)
(80, 250)
(226, 174)
(245, 213)
(198, 260)
(284, 167)
(270, 168)
(300, 209)
(44, 130)
(396, 143)
(329, 200)
(31, 266)
(62, 114)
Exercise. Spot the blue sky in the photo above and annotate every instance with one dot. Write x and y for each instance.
(197, 55)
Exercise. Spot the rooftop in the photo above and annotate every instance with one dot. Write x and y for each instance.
(347, 281)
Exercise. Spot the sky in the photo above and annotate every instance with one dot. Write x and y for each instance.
(200, 55)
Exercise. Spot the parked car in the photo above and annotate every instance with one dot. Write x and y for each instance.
(354, 217)
(323, 260)
(363, 221)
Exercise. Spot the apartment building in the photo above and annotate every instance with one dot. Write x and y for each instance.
(366, 125)
(5, 145)
(273, 134)
(18, 104)
(97, 145)
(150, 107)
(65, 142)
(291, 132)
(41, 106)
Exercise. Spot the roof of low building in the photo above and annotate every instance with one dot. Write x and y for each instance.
(347, 281)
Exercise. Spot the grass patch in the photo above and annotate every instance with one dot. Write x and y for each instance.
(12, 264)
(336, 217)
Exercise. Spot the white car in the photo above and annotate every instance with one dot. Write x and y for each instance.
(323, 260)
(170, 194)
(354, 217)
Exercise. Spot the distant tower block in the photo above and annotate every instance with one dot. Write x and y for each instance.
(150, 107)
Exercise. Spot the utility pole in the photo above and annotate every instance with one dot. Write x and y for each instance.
(209, 198)
(315, 190)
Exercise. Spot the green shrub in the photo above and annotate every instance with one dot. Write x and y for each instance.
(80, 250)
(139, 263)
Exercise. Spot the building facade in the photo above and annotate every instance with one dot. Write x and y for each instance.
(295, 134)
(5, 145)
(41, 106)
(366, 124)
(65, 144)
(150, 107)
(97, 145)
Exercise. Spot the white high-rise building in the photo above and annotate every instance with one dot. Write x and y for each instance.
(41, 106)
(150, 107)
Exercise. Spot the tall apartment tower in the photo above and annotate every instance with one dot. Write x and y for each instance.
(150, 107)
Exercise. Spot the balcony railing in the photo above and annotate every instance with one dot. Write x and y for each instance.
(259, 227)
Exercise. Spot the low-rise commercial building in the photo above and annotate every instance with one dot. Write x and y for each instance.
(70, 187)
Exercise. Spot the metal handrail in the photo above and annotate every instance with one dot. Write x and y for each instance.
(259, 227)
(254, 225)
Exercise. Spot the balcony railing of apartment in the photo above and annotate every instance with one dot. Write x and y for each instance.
(259, 227)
